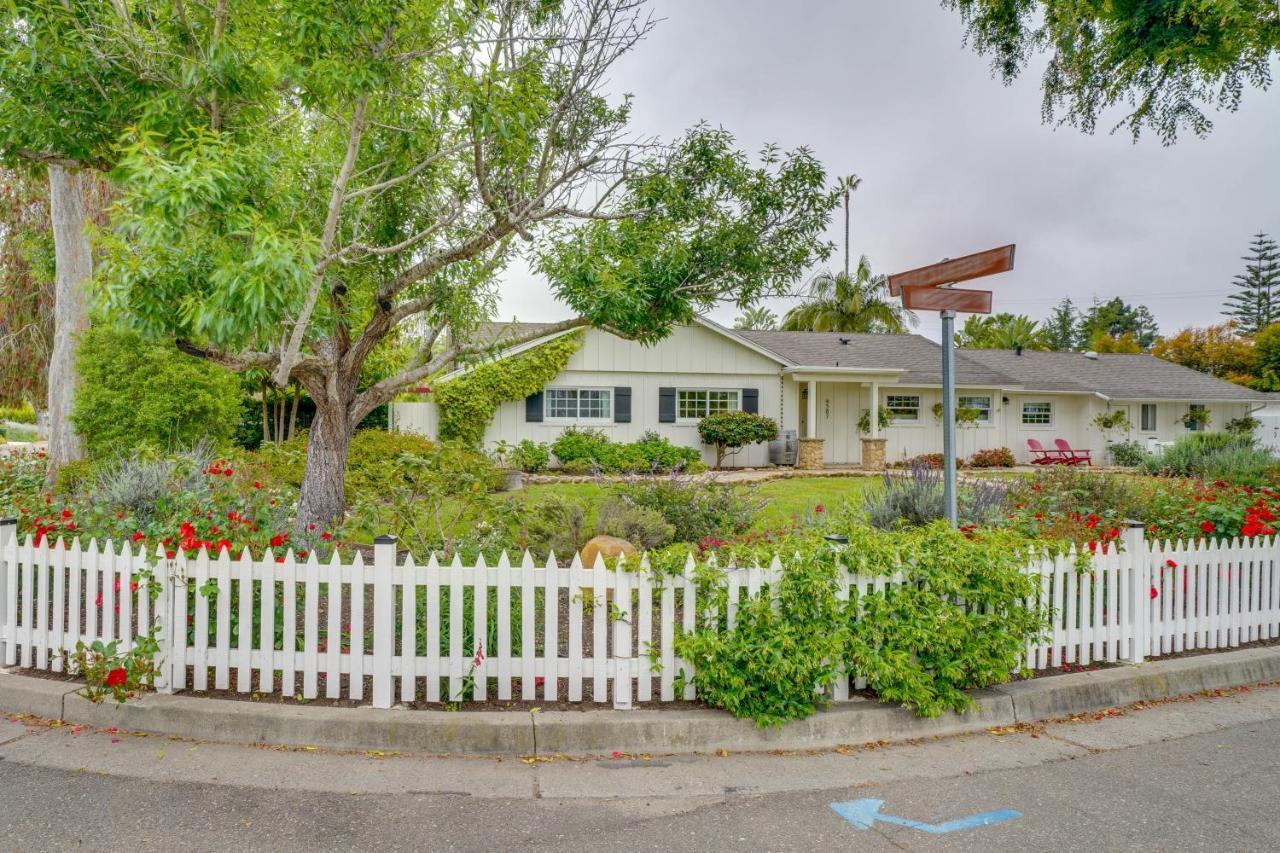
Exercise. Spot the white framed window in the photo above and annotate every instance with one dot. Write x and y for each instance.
(981, 404)
(905, 408)
(1039, 413)
(579, 404)
(693, 404)
(1147, 418)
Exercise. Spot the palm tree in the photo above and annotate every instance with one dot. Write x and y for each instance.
(756, 317)
(845, 301)
(1003, 331)
(845, 186)
(849, 303)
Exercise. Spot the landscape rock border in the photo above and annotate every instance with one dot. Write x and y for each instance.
(593, 731)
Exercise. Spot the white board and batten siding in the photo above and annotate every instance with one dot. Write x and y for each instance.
(394, 631)
(692, 357)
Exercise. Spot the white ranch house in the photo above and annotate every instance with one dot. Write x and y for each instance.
(820, 383)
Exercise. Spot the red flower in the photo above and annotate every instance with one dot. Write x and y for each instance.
(819, 509)
(326, 536)
(224, 544)
(137, 537)
(1171, 564)
(117, 677)
(1154, 593)
(257, 485)
(277, 541)
(66, 513)
(1208, 527)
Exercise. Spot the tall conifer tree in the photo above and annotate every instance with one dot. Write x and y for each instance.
(1256, 302)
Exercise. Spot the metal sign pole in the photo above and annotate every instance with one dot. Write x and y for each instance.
(932, 288)
(949, 413)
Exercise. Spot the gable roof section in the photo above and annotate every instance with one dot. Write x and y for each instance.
(1113, 375)
(918, 358)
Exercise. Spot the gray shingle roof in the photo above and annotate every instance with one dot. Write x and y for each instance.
(488, 333)
(918, 357)
(1123, 377)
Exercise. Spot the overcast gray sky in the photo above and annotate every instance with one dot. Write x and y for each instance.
(951, 160)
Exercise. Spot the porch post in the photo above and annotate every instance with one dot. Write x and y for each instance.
(811, 451)
(875, 409)
(811, 409)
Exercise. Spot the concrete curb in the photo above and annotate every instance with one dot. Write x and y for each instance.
(653, 731)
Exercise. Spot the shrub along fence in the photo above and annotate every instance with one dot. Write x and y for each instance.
(388, 630)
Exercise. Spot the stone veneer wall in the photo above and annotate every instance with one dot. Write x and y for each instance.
(810, 457)
(873, 454)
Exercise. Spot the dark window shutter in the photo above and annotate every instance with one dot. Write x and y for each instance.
(533, 408)
(751, 400)
(666, 405)
(622, 404)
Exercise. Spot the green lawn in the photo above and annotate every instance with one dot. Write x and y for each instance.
(795, 496)
(785, 498)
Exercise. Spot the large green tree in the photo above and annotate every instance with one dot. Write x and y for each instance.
(1256, 301)
(74, 74)
(1218, 350)
(1002, 331)
(1165, 62)
(1061, 327)
(384, 162)
(1116, 318)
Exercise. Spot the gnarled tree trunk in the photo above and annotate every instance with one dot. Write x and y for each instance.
(322, 501)
(74, 268)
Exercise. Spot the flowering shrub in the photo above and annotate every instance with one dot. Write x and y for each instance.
(180, 505)
(996, 457)
(22, 481)
(108, 672)
(924, 460)
(1090, 509)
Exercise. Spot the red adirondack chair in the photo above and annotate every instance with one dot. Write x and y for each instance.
(1040, 456)
(1073, 457)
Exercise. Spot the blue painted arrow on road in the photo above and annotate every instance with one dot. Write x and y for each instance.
(864, 813)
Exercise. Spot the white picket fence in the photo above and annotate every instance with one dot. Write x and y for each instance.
(445, 633)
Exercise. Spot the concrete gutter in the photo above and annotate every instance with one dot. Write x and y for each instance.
(652, 731)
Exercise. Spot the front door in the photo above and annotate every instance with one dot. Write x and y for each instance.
(838, 409)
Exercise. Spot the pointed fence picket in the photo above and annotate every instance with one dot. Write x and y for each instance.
(542, 632)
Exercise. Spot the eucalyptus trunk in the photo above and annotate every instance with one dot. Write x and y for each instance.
(73, 262)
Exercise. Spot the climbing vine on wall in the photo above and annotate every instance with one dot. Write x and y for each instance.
(467, 404)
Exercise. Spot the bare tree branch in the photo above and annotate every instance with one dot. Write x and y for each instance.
(290, 356)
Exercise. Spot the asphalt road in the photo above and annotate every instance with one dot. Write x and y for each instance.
(1189, 775)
